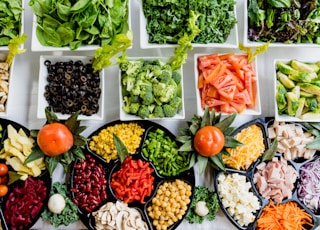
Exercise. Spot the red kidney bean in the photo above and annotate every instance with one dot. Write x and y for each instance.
(89, 184)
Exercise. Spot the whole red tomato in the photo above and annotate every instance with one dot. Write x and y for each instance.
(55, 139)
(208, 141)
(3, 169)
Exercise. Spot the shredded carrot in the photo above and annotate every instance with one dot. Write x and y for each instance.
(284, 216)
(243, 156)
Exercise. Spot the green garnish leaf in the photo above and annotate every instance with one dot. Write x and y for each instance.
(34, 155)
(103, 54)
(14, 47)
(120, 147)
(231, 142)
(252, 54)
(13, 177)
(270, 152)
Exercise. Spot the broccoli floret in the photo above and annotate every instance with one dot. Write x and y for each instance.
(176, 76)
(176, 102)
(169, 111)
(169, 92)
(147, 97)
(128, 82)
(126, 105)
(158, 112)
(134, 108)
(131, 67)
(165, 76)
(144, 111)
(158, 88)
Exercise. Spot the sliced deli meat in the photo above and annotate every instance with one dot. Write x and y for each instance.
(275, 179)
(292, 140)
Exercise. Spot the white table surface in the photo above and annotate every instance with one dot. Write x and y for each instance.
(23, 109)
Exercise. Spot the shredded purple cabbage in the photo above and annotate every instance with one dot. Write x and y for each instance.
(309, 187)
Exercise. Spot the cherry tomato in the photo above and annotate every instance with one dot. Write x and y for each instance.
(3, 190)
(208, 141)
(55, 139)
(3, 169)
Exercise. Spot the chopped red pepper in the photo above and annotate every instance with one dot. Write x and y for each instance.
(134, 181)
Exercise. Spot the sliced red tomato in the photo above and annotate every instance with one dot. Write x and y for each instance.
(228, 92)
(249, 88)
(238, 106)
(212, 102)
(242, 97)
(223, 81)
(226, 108)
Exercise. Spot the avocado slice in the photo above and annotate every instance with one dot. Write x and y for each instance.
(301, 66)
(310, 88)
(286, 69)
(284, 79)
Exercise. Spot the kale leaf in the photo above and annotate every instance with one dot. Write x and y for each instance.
(167, 20)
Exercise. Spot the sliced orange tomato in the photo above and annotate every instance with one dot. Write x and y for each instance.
(227, 82)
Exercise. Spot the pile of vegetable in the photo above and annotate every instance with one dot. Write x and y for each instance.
(288, 215)
(166, 20)
(17, 148)
(72, 86)
(204, 205)
(103, 142)
(226, 82)
(284, 21)
(133, 181)
(170, 203)
(60, 210)
(298, 89)
(84, 22)
(24, 203)
(10, 20)
(118, 216)
(89, 184)
(163, 152)
(309, 185)
(150, 88)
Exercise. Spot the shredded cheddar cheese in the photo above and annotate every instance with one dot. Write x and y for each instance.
(242, 157)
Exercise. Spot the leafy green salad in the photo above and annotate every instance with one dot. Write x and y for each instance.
(10, 20)
(167, 20)
(73, 23)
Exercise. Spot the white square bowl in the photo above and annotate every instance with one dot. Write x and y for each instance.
(36, 46)
(248, 43)
(5, 48)
(3, 55)
(43, 73)
(284, 117)
(231, 42)
(125, 116)
(256, 110)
